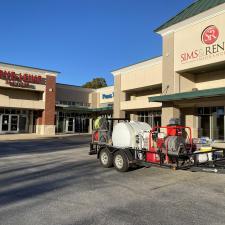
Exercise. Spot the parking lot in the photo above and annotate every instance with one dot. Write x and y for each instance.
(55, 181)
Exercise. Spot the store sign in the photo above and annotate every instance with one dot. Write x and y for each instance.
(210, 35)
(211, 48)
(21, 80)
(107, 96)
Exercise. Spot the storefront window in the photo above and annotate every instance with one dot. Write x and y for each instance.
(70, 121)
(153, 118)
(211, 122)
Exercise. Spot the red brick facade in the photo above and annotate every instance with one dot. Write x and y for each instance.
(48, 115)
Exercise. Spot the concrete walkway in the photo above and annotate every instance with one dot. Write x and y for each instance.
(15, 137)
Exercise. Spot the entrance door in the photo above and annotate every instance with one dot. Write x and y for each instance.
(70, 124)
(9, 123)
(14, 123)
(157, 121)
(204, 125)
(5, 123)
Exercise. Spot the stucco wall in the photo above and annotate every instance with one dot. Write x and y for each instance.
(72, 93)
(142, 76)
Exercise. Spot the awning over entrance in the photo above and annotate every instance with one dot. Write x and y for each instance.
(213, 92)
(86, 110)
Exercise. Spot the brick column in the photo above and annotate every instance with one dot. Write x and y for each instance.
(47, 122)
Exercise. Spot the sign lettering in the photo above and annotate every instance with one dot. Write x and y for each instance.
(21, 80)
(208, 37)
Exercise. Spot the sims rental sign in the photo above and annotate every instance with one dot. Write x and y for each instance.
(200, 44)
(209, 37)
(20, 80)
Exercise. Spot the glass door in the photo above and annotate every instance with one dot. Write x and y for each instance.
(70, 124)
(9, 123)
(14, 123)
(204, 126)
(22, 123)
(5, 123)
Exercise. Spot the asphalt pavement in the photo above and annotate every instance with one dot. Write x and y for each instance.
(54, 181)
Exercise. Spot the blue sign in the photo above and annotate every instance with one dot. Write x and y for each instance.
(107, 96)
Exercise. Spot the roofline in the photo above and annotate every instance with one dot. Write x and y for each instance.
(171, 18)
(192, 19)
(77, 86)
(110, 86)
(30, 67)
(142, 61)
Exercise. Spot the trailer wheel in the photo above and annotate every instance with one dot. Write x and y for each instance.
(106, 158)
(120, 161)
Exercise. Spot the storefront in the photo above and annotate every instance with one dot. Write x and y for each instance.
(27, 100)
(193, 75)
(76, 107)
(187, 81)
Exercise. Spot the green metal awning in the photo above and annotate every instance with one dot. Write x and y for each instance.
(86, 110)
(189, 95)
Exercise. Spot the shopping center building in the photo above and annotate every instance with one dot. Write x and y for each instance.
(193, 68)
(77, 106)
(27, 99)
(186, 82)
(32, 102)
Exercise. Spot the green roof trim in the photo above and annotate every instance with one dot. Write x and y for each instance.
(188, 95)
(86, 110)
(109, 108)
(192, 10)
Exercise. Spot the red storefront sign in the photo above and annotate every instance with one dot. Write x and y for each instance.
(20, 80)
(210, 35)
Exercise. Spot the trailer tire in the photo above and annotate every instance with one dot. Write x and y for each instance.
(106, 158)
(120, 161)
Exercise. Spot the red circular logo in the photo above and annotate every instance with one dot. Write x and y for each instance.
(210, 35)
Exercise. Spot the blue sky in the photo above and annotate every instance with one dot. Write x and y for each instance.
(82, 39)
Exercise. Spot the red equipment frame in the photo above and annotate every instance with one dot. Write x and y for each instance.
(171, 131)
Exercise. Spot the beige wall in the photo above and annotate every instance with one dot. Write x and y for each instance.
(119, 97)
(134, 84)
(73, 93)
(24, 99)
(139, 100)
(210, 80)
(94, 100)
(201, 81)
(142, 75)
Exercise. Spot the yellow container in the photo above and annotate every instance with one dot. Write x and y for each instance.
(206, 149)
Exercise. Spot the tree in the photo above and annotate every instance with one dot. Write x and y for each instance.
(96, 83)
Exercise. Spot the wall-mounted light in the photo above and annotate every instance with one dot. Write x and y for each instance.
(50, 89)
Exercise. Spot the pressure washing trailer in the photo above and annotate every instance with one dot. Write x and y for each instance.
(124, 144)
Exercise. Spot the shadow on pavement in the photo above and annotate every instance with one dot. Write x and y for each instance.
(9, 148)
(34, 184)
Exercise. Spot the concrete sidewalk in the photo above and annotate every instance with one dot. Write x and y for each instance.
(15, 137)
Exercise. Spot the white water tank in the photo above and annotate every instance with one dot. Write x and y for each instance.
(131, 135)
